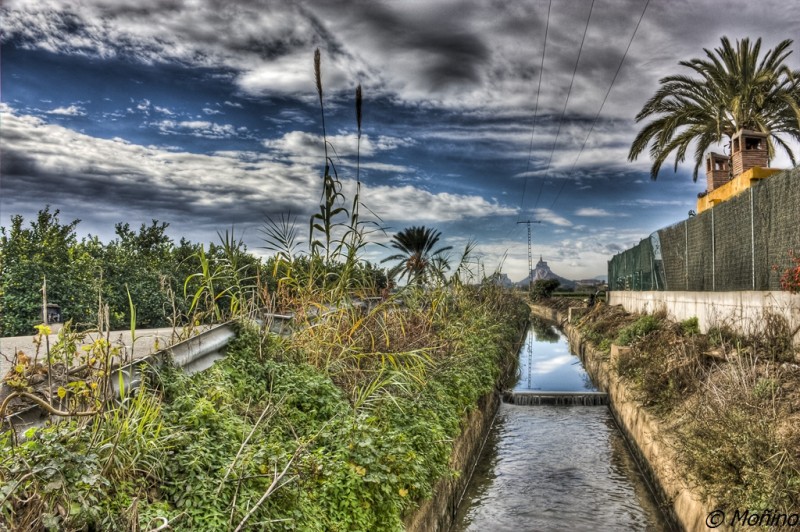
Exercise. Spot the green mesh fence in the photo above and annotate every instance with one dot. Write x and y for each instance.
(741, 244)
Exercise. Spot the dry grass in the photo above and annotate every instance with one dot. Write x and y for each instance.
(731, 400)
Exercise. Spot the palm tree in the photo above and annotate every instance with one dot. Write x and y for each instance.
(735, 91)
(417, 258)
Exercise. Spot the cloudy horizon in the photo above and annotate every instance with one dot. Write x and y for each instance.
(205, 115)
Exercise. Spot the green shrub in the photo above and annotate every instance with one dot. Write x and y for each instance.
(690, 326)
(638, 329)
(544, 288)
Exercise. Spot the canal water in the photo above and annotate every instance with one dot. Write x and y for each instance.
(554, 468)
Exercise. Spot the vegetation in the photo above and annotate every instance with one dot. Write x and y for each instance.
(145, 265)
(346, 424)
(419, 262)
(544, 288)
(790, 277)
(282, 434)
(729, 400)
(736, 89)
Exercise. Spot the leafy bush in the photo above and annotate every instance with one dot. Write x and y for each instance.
(790, 277)
(544, 288)
(690, 326)
(638, 329)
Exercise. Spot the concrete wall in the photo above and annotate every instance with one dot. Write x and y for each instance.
(438, 513)
(743, 310)
(650, 442)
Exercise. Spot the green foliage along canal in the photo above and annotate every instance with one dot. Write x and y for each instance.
(347, 425)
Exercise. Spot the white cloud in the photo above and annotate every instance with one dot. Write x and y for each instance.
(72, 110)
(222, 188)
(550, 217)
(599, 213)
(198, 128)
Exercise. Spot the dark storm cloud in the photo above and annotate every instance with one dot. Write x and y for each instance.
(450, 91)
(446, 53)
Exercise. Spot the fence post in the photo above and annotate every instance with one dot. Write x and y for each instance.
(686, 254)
(752, 240)
(713, 255)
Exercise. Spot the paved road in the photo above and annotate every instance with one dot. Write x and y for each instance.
(147, 341)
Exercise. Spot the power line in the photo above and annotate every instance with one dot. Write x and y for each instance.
(536, 109)
(597, 116)
(564, 111)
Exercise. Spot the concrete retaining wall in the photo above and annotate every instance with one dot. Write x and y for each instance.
(743, 310)
(648, 439)
(438, 513)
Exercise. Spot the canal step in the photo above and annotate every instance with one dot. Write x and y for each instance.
(536, 398)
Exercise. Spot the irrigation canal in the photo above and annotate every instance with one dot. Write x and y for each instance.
(551, 462)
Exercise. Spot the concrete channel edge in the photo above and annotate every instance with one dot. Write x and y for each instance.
(687, 509)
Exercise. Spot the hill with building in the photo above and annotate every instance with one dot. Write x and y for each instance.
(543, 272)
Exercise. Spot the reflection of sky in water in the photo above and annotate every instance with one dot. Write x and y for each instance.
(549, 366)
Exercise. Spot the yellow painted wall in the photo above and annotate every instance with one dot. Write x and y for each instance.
(736, 185)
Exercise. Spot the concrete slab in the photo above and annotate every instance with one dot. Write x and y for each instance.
(148, 341)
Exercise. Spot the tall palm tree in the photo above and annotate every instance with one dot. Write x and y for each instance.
(418, 260)
(735, 91)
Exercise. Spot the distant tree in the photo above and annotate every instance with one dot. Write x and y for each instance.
(28, 256)
(140, 263)
(418, 261)
(544, 288)
(736, 89)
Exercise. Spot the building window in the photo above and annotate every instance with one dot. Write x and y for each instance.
(752, 143)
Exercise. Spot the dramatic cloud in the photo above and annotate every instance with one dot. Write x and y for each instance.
(205, 113)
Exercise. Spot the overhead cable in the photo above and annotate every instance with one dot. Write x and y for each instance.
(564, 111)
(597, 116)
(536, 109)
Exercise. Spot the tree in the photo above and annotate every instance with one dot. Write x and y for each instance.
(418, 260)
(140, 264)
(28, 256)
(736, 89)
(544, 288)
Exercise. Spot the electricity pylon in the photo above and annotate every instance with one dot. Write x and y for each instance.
(530, 255)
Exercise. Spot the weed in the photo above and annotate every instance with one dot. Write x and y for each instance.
(690, 326)
(731, 441)
(638, 329)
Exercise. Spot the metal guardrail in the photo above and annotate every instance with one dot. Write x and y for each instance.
(193, 355)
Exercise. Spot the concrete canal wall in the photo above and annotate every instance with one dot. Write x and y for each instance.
(647, 438)
(744, 309)
(438, 513)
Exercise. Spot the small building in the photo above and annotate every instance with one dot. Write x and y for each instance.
(728, 176)
(53, 313)
(718, 170)
(748, 150)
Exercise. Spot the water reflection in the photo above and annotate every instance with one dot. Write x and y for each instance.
(556, 468)
(549, 365)
(544, 331)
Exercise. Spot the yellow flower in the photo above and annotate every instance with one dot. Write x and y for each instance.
(403, 492)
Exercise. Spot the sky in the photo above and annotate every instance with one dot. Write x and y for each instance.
(477, 115)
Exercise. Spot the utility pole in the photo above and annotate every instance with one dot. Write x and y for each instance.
(530, 255)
